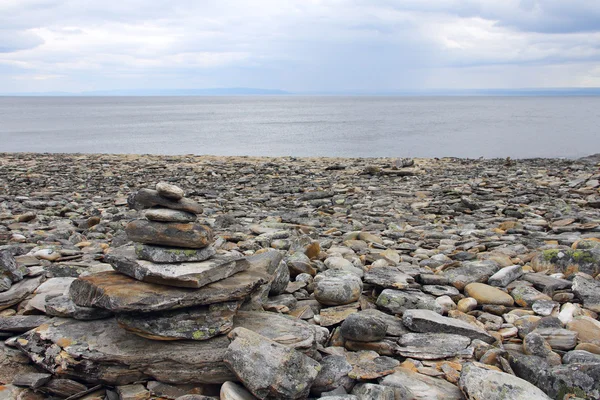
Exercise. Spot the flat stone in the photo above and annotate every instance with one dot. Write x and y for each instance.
(133, 392)
(19, 291)
(188, 235)
(395, 327)
(398, 301)
(482, 383)
(587, 290)
(119, 293)
(580, 357)
(433, 346)
(486, 294)
(283, 372)
(146, 198)
(559, 339)
(31, 379)
(505, 276)
(63, 306)
(22, 323)
(337, 287)
(370, 365)
(546, 283)
(334, 315)
(65, 387)
(198, 323)
(168, 215)
(186, 275)
(569, 261)
(101, 352)
(525, 296)
(388, 277)
(169, 255)
(169, 191)
(427, 321)
(421, 387)
(440, 290)
(471, 271)
(9, 268)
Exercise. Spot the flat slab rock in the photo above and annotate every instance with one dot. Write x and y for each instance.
(165, 254)
(198, 323)
(188, 235)
(433, 346)
(119, 293)
(426, 321)
(21, 323)
(187, 274)
(388, 277)
(146, 198)
(19, 291)
(101, 352)
(421, 387)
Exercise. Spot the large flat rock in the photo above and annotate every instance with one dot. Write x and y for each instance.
(101, 352)
(187, 274)
(426, 321)
(120, 293)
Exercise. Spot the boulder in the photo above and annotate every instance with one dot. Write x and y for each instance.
(282, 372)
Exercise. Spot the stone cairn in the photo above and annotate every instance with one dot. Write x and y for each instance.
(172, 254)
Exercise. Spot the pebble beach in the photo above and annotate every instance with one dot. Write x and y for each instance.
(340, 278)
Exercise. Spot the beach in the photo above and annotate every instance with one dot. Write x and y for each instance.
(468, 272)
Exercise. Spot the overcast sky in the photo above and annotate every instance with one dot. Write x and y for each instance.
(298, 45)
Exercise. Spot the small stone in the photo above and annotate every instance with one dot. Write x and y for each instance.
(333, 374)
(559, 339)
(505, 276)
(373, 392)
(169, 191)
(168, 215)
(467, 304)
(588, 329)
(486, 294)
(31, 379)
(146, 198)
(398, 301)
(545, 307)
(47, 254)
(525, 296)
(233, 391)
(169, 255)
(133, 392)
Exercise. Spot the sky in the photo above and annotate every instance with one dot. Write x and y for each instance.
(298, 45)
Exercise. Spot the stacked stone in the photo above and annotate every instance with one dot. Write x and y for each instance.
(181, 287)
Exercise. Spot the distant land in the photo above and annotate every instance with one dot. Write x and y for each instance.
(271, 92)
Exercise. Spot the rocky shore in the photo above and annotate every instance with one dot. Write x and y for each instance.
(200, 277)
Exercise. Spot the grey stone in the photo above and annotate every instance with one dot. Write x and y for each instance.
(189, 235)
(19, 291)
(580, 357)
(363, 327)
(388, 277)
(398, 301)
(185, 275)
(414, 385)
(63, 306)
(31, 379)
(233, 391)
(427, 321)
(168, 255)
(198, 323)
(482, 383)
(433, 346)
(168, 215)
(333, 374)
(337, 287)
(371, 391)
(471, 271)
(588, 291)
(146, 198)
(505, 276)
(22, 323)
(283, 372)
(169, 191)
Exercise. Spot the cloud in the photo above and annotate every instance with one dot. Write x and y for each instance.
(296, 44)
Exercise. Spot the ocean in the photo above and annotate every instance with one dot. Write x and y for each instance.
(304, 126)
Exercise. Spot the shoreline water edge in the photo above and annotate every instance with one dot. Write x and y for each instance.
(239, 277)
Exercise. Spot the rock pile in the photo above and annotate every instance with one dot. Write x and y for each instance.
(359, 279)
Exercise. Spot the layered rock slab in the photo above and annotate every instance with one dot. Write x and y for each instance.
(100, 352)
(119, 293)
(188, 235)
(187, 274)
